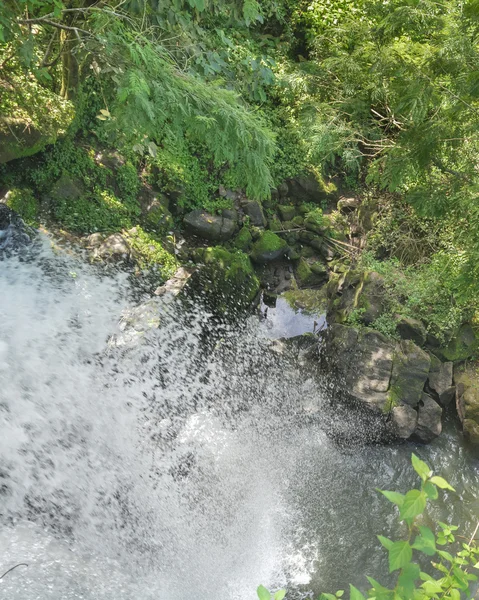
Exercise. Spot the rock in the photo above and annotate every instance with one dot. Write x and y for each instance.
(244, 240)
(466, 378)
(312, 223)
(230, 213)
(440, 379)
(210, 227)
(347, 205)
(403, 421)
(14, 234)
(287, 212)
(429, 424)
(268, 247)
(409, 373)
(254, 210)
(283, 189)
(175, 284)
(224, 281)
(361, 361)
(308, 275)
(110, 159)
(411, 329)
(447, 396)
(155, 208)
(114, 247)
(68, 188)
(363, 294)
(307, 188)
(227, 193)
(94, 240)
(462, 346)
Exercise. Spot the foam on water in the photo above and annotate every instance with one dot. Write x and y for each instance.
(174, 468)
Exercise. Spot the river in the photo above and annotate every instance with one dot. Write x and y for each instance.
(157, 465)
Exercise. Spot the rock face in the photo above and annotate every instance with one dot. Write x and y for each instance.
(411, 329)
(462, 346)
(209, 227)
(440, 381)
(255, 212)
(384, 377)
(363, 293)
(466, 378)
(14, 234)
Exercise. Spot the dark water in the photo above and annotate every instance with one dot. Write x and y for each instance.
(139, 462)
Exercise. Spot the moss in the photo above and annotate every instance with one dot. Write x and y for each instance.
(463, 345)
(275, 225)
(23, 202)
(150, 254)
(394, 396)
(311, 301)
(268, 247)
(159, 219)
(306, 276)
(298, 221)
(243, 240)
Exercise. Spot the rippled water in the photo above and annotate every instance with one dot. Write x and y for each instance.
(178, 462)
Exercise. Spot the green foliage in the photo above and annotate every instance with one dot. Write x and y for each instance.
(452, 572)
(150, 254)
(23, 202)
(128, 182)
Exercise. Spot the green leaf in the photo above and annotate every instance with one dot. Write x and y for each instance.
(279, 595)
(432, 587)
(394, 497)
(421, 468)
(263, 593)
(431, 490)
(385, 542)
(400, 555)
(355, 594)
(325, 596)
(426, 542)
(442, 483)
(407, 579)
(413, 505)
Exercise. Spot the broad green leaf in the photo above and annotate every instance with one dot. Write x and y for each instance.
(432, 587)
(385, 542)
(325, 596)
(263, 593)
(279, 595)
(400, 555)
(454, 594)
(339, 593)
(413, 505)
(460, 578)
(431, 490)
(442, 483)
(379, 591)
(421, 468)
(426, 542)
(355, 594)
(407, 579)
(394, 497)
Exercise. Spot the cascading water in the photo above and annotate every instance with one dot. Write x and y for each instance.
(154, 462)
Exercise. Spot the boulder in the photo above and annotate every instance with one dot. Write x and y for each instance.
(243, 240)
(409, 374)
(209, 227)
(268, 247)
(361, 361)
(439, 382)
(254, 210)
(429, 420)
(287, 212)
(310, 274)
(463, 345)
(67, 188)
(403, 421)
(348, 204)
(466, 378)
(114, 247)
(308, 188)
(411, 329)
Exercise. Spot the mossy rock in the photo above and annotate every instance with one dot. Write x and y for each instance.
(463, 345)
(24, 203)
(243, 240)
(225, 281)
(308, 300)
(310, 275)
(287, 212)
(268, 247)
(298, 221)
(275, 225)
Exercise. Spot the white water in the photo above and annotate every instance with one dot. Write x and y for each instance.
(172, 469)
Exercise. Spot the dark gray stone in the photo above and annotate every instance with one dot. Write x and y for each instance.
(412, 329)
(254, 210)
(440, 377)
(409, 373)
(403, 421)
(209, 227)
(429, 421)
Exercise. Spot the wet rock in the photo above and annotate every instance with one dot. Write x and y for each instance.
(409, 373)
(230, 213)
(310, 274)
(175, 284)
(14, 234)
(268, 247)
(254, 210)
(287, 212)
(440, 378)
(429, 420)
(94, 240)
(447, 396)
(363, 294)
(403, 421)
(114, 247)
(411, 329)
(466, 378)
(210, 227)
(347, 205)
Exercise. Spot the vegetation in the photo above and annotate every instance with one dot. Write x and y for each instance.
(451, 571)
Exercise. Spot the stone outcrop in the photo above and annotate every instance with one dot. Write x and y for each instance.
(382, 376)
(466, 378)
(210, 227)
